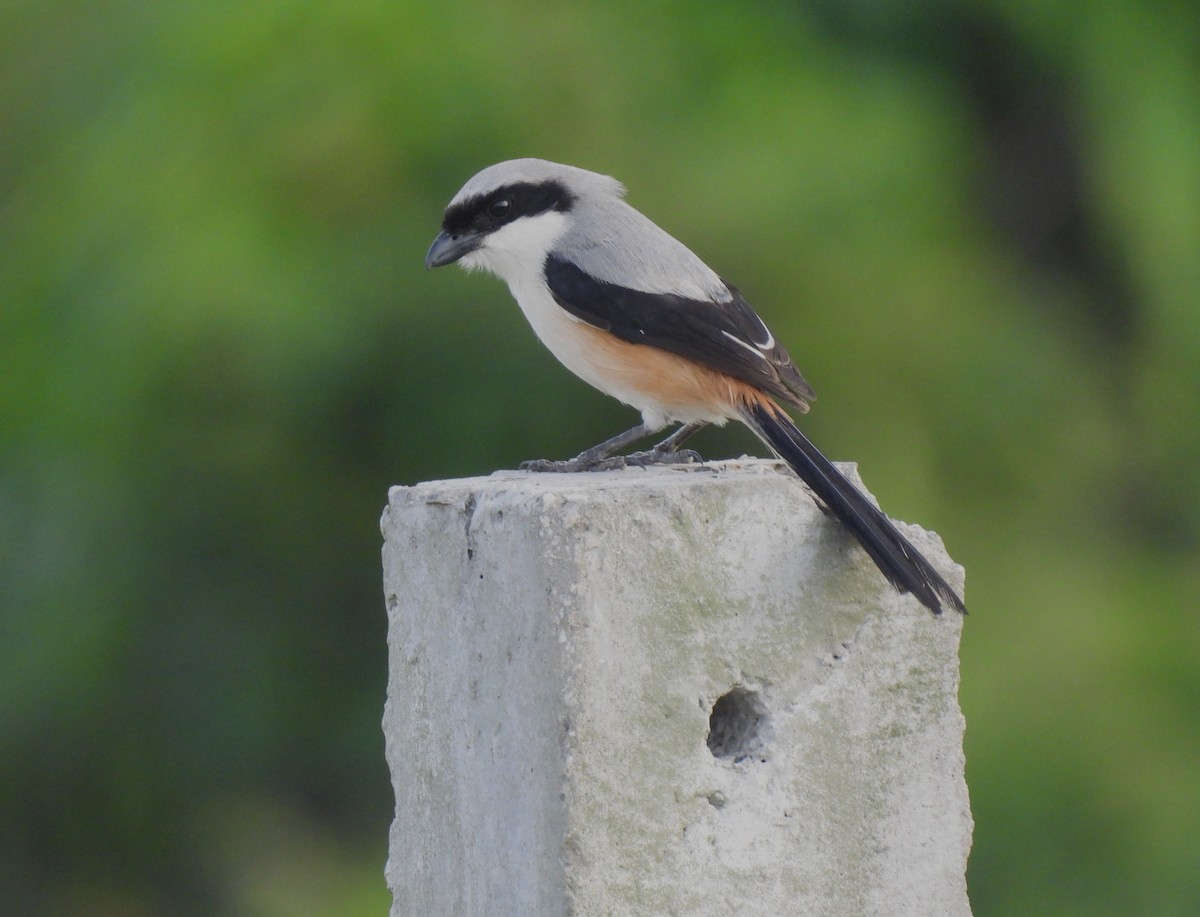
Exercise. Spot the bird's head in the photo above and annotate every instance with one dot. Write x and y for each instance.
(508, 217)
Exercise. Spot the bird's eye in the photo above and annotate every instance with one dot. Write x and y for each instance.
(498, 209)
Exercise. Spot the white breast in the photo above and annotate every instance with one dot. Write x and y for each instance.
(564, 336)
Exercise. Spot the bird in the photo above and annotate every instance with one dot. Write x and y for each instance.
(635, 313)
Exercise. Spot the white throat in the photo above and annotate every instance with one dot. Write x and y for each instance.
(517, 252)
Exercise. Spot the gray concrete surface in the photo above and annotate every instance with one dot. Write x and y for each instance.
(557, 647)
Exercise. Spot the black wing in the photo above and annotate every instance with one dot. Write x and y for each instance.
(725, 336)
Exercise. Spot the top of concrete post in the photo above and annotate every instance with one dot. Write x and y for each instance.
(676, 690)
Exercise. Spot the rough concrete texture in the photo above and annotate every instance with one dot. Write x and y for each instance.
(558, 644)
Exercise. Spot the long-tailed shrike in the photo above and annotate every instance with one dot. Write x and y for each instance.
(631, 310)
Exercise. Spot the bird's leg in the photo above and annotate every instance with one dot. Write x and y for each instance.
(598, 458)
(668, 452)
(602, 458)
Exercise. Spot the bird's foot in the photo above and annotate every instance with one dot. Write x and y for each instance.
(579, 463)
(614, 462)
(663, 457)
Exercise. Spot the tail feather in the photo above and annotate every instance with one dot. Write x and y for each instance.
(900, 562)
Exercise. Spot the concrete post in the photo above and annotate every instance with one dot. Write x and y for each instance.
(668, 691)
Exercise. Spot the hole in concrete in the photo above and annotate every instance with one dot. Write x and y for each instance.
(737, 725)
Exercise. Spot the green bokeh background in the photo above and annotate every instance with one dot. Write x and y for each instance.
(975, 225)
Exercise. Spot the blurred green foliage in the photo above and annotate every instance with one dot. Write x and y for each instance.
(976, 226)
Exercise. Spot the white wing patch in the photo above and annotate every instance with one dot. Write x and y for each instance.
(757, 350)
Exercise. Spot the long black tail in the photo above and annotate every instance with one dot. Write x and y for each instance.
(900, 562)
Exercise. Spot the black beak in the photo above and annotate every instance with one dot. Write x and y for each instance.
(446, 249)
